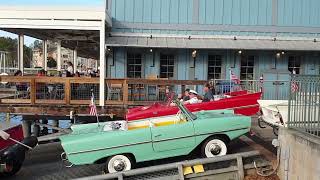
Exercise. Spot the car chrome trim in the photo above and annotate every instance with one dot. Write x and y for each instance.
(168, 139)
(156, 141)
(99, 149)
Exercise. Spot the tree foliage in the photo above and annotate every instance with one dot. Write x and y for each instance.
(10, 45)
(52, 63)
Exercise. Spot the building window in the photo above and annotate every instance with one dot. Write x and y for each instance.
(294, 63)
(134, 65)
(65, 56)
(214, 66)
(166, 66)
(247, 67)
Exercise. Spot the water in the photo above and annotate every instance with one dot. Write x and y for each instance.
(13, 119)
(17, 120)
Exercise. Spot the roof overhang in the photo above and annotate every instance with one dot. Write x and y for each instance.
(76, 26)
(213, 43)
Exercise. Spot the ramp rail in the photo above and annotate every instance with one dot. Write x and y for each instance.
(176, 170)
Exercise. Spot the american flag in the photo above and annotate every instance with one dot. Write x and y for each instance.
(294, 87)
(93, 108)
(233, 77)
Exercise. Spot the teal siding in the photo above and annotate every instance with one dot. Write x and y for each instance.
(117, 70)
(264, 61)
(153, 11)
(250, 13)
(299, 13)
(235, 12)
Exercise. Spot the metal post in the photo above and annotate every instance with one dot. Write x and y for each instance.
(180, 170)
(45, 54)
(75, 56)
(4, 62)
(240, 167)
(26, 126)
(120, 177)
(45, 129)
(102, 64)
(59, 56)
(55, 123)
(20, 52)
(36, 129)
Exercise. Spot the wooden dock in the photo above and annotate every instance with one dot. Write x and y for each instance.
(54, 96)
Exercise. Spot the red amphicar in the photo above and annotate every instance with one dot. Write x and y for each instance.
(15, 131)
(242, 102)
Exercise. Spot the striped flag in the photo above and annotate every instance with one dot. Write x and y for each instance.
(93, 108)
(294, 87)
(234, 78)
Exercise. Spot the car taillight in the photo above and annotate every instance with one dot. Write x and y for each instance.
(252, 133)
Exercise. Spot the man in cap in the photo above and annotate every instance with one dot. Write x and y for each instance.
(193, 98)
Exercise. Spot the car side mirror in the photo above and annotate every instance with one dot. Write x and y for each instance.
(4, 135)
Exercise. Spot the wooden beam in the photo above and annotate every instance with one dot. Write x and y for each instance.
(67, 92)
(60, 110)
(33, 91)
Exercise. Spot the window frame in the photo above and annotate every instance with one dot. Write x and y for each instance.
(247, 66)
(134, 71)
(295, 59)
(168, 55)
(214, 66)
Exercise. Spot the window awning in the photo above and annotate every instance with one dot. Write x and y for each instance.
(212, 43)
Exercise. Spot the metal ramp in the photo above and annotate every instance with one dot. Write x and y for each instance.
(233, 166)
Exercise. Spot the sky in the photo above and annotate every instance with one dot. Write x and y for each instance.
(27, 40)
(54, 2)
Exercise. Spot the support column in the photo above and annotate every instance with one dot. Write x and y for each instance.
(59, 56)
(45, 54)
(75, 56)
(20, 52)
(102, 64)
(26, 126)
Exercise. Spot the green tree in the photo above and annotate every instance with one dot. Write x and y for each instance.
(11, 45)
(37, 44)
(51, 62)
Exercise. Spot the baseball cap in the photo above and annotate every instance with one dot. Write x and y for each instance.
(193, 92)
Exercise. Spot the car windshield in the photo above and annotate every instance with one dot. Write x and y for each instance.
(185, 111)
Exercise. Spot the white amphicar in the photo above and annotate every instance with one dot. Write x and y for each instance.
(273, 113)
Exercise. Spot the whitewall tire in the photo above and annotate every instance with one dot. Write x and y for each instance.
(118, 163)
(214, 146)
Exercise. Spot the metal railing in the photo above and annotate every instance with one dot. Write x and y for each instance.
(272, 90)
(304, 104)
(175, 170)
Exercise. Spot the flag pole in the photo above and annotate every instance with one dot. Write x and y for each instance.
(230, 80)
(93, 104)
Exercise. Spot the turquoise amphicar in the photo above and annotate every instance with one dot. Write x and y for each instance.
(119, 144)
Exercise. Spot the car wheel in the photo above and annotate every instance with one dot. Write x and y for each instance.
(12, 168)
(214, 146)
(118, 163)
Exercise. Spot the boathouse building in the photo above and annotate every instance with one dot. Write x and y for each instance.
(177, 39)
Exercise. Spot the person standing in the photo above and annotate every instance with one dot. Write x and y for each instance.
(70, 70)
(169, 96)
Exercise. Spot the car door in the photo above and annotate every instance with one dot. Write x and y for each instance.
(171, 137)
